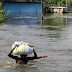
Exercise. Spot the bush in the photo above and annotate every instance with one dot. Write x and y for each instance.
(6, 16)
(1, 18)
(1, 13)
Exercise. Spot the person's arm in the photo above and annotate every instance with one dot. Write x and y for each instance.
(38, 57)
(11, 56)
(42, 57)
(35, 56)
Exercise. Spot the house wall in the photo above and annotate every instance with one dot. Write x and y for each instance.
(26, 0)
(23, 7)
(58, 10)
(18, 0)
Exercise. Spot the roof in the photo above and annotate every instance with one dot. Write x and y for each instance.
(2, 0)
(56, 7)
(17, 0)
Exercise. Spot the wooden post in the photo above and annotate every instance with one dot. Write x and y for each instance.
(66, 5)
(41, 12)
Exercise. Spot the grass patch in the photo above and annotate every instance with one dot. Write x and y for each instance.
(67, 12)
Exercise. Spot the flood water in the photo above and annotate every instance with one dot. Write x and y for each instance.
(54, 39)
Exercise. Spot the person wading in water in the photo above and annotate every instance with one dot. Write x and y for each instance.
(23, 59)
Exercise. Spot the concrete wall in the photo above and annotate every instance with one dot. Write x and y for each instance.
(58, 10)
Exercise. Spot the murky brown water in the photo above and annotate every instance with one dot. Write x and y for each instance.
(54, 39)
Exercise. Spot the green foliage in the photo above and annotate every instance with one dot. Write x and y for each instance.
(1, 13)
(70, 2)
(58, 2)
(1, 6)
(69, 11)
(2, 16)
(6, 16)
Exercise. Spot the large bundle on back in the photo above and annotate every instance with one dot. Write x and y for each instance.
(22, 48)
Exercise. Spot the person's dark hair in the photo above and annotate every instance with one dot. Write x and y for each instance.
(23, 55)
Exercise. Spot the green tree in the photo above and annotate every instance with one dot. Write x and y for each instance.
(58, 2)
(1, 13)
(2, 16)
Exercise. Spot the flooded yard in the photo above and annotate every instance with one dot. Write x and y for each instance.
(54, 39)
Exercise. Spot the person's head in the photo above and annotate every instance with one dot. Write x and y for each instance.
(23, 56)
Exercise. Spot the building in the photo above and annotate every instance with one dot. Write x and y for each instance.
(18, 1)
(23, 6)
(56, 9)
